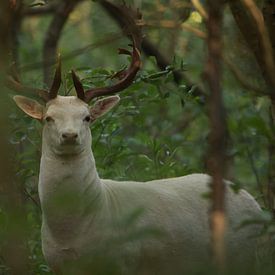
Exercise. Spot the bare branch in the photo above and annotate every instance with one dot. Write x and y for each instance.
(251, 25)
(130, 20)
(62, 12)
(39, 11)
(242, 78)
(109, 39)
(262, 43)
(13, 83)
(151, 50)
(200, 8)
(169, 24)
(265, 43)
(233, 68)
(16, 27)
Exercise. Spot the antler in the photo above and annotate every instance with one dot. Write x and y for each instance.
(126, 76)
(14, 83)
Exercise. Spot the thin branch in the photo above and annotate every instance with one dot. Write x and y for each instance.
(200, 8)
(151, 50)
(63, 10)
(267, 50)
(271, 162)
(16, 27)
(246, 84)
(39, 11)
(242, 78)
(109, 39)
(255, 172)
(30, 197)
(252, 36)
(169, 24)
(183, 124)
(233, 68)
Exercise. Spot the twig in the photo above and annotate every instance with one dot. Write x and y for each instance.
(169, 24)
(242, 78)
(151, 50)
(39, 11)
(253, 166)
(234, 69)
(200, 8)
(29, 196)
(255, 33)
(256, 174)
(109, 39)
(183, 124)
(253, 38)
(16, 27)
(271, 156)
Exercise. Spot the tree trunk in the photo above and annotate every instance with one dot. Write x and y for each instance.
(13, 225)
(269, 18)
(216, 159)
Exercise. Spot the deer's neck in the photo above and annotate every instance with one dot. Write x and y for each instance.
(69, 189)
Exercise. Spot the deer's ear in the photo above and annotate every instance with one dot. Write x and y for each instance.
(104, 105)
(29, 106)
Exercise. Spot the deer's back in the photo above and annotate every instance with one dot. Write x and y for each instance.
(178, 209)
(161, 227)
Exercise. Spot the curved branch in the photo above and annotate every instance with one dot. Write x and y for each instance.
(39, 11)
(59, 20)
(151, 50)
(200, 8)
(250, 22)
(266, 48)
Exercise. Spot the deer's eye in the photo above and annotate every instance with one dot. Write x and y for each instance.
(49, 119)
(87, 118)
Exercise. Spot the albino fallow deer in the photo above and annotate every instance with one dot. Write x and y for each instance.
(82, 212)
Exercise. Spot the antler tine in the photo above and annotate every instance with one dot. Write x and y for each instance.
(129, 20)
(128, 77)
(78, 87)
(56, 81)
(15, 85)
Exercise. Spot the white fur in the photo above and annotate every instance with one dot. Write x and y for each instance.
(81, 212)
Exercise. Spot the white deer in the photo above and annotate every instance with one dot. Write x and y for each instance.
(82, 212)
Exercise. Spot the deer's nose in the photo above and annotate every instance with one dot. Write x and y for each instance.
(69, 136)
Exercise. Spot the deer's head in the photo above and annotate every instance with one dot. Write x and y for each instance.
(66, 119)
